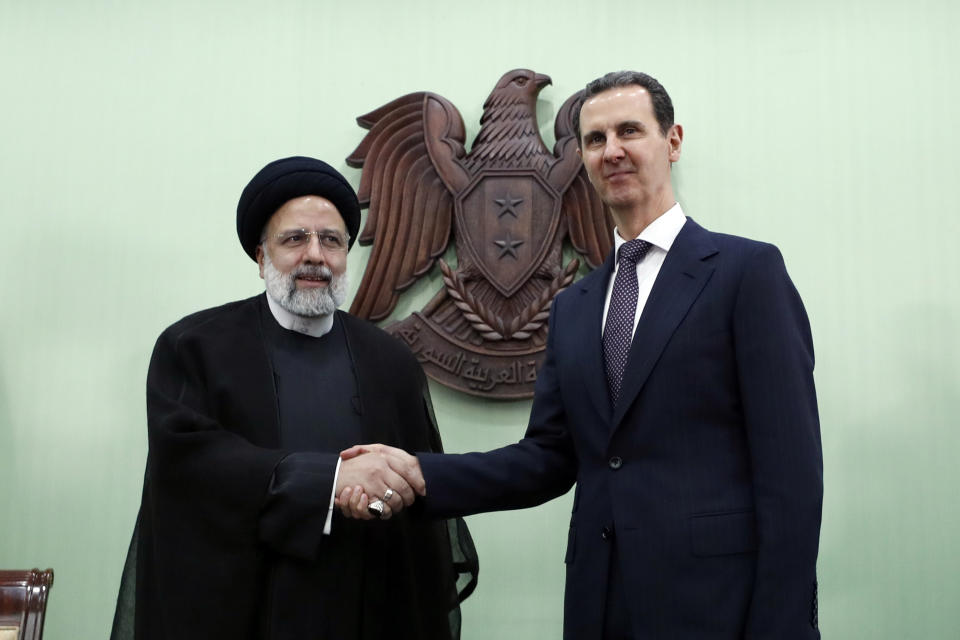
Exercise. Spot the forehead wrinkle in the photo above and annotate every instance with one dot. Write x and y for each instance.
(631, 97)
(306, 211)
(313, 230)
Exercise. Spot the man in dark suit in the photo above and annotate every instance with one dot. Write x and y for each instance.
(677, 392)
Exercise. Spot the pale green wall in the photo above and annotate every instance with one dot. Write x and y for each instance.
(128, 129)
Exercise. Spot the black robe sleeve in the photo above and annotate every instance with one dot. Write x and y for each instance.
(297, 504)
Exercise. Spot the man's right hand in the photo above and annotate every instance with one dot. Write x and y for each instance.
(402, 469)
(365, 478)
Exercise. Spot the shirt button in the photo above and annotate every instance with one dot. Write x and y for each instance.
(606, 533)
(616, 462)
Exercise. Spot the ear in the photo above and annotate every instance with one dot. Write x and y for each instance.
(579, 153)
(259, 255)
(675, 140)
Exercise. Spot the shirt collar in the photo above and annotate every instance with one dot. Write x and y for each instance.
(315, 327)
(661, 232)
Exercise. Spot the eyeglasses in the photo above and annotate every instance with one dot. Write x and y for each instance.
(329, 239)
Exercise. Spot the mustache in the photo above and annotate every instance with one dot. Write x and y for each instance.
(313, 271)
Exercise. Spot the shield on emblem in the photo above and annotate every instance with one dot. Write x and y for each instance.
(508, 220)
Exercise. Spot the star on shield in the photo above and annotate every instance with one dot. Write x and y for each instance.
(508, 205)
(508, 246)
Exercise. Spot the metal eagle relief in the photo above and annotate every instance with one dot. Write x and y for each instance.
(508, 203)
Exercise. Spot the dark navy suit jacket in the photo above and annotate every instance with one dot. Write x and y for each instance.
(707, 474)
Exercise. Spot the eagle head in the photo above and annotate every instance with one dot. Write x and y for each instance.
(520, 86)
(509, 136)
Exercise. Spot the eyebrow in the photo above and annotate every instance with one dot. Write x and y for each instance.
(636, 124)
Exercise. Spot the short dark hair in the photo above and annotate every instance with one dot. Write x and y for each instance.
(662, 105)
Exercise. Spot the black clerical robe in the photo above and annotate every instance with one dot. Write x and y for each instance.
(211, 542)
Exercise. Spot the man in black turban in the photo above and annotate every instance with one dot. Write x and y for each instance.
(248, 405)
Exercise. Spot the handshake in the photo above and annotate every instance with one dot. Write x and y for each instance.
(376, 481)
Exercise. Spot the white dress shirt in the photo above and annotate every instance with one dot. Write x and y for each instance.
(660, 233)
(315, 328)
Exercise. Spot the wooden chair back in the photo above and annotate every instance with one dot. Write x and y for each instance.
(23, 603)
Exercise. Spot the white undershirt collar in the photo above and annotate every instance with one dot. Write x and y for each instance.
(315, 327)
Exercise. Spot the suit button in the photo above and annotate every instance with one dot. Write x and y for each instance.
(616, 462)
(606, 533)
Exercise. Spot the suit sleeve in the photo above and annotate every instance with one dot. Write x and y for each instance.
(774, 351)
(538, 468)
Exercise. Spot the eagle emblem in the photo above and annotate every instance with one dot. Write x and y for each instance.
(508, 203)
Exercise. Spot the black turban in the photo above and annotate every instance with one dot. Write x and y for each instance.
(284, 180)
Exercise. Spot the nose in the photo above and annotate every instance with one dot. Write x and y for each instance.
(612, 149)
(314, 251)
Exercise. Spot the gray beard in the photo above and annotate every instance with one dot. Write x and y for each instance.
(307, 303)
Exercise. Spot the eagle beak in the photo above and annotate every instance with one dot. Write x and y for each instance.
(541, 80)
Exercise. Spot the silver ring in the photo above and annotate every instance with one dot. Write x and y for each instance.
(387, 495)
(375, 508)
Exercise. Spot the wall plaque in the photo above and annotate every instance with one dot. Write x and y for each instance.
(508, 204)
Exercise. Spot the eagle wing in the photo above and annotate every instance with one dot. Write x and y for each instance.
(411, 171)
(588, 222)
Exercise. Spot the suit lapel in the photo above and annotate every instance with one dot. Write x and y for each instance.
(681, 279)
(587, 335)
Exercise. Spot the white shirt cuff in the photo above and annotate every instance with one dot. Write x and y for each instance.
(328, 525)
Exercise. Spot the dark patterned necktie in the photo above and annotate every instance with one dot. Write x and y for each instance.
(618, 331)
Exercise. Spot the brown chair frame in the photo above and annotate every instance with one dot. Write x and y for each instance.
(23, 602)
